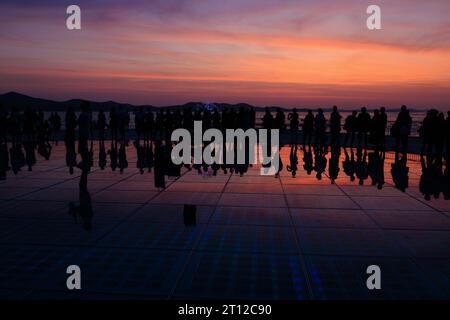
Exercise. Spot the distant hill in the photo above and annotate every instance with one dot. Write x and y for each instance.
(21, 101)
(14, 99)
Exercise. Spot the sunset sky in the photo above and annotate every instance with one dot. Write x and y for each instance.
(264, 52)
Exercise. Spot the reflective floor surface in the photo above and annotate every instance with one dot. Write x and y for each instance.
(254, 237)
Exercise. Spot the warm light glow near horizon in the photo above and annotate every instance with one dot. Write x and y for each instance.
(263, 52)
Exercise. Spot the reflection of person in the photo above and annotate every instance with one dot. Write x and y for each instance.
(320, 162)
(333, 167)
(308, 160)
(293, 161)
(376, 168)
(140, 154)
(362, 169)
(102, 155)
(159, 170)
(30, 154)
(399, 172)
(123, 162)
(280, 163)
(84, 208)
(446, 183)
(349, 164)
(432, 181)
(4, 161)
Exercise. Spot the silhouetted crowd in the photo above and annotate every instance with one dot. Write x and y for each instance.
(22, 134)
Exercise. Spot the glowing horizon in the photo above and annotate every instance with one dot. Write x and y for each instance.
(287, 53)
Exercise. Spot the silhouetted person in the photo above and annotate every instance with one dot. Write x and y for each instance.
(425, 133)
(335, 127)
(308, 128)
(159, 125)
(440, 138)
(381, 128)
(70, 138)
(374, 122)
(350, 126)
(55, 124)
(207, 119)
(14, 126)
(320, 125)
(84, 130)
(267, 120)
(252, 116)
(294, 124)
(168, 125)
(101, 125)
(401, 130)
(123, 123)
(243, 119)
(139, 123)
(113, 123)
(363, 125)
(177, 120)
(280, 119)
(149, 124)
(3, 124)
(216, 120)
(188, 120)
(447, 138)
